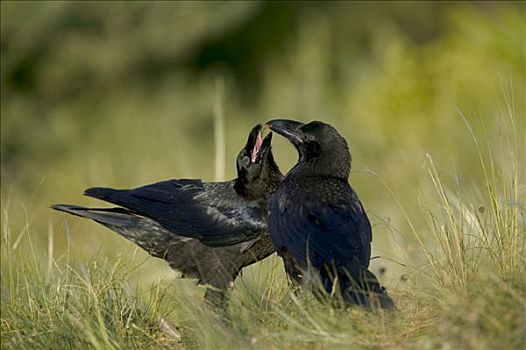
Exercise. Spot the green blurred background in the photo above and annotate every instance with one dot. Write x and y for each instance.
(122, 94)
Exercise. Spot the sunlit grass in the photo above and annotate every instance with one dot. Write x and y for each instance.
(437, 134)
(467, 292)
(72, 305)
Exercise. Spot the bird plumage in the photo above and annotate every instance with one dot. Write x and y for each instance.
(213, 266)
(168, 218)
(323, 214)
(316, 220)
(192, 208)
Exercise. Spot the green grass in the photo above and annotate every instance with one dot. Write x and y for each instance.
(468, 292)
(53, 302)
(437, 132)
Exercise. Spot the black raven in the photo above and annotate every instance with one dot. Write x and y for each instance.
(157, 216)
(316, 221)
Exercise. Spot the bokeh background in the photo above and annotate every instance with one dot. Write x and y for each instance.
(122, 94)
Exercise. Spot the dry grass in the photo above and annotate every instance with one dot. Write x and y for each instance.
(437, 135)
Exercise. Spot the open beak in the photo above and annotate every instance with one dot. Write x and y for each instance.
(287, 128)
(262, 143)
(258, 142)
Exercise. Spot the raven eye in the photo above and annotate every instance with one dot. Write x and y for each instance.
(246, 160)
(313, 148)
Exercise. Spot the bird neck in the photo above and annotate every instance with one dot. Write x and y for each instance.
(333, 164)
(262, 185)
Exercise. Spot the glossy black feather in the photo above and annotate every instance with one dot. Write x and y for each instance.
(316, 221)
(320, 221)
(163, 217)
(211, 212)
(217, 267)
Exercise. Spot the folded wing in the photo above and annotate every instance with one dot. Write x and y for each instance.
(210, 212)
(320, 233)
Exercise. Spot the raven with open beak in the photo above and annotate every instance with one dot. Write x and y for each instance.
(157, 216)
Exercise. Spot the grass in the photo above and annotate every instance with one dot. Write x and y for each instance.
(464, 289)
(50, 301)
(436, 129)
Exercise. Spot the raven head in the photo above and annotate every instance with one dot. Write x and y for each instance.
(257, 173)
(322, 150)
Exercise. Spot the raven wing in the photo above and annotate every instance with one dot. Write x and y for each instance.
(323, 223)
(210, 212)
(215, 266)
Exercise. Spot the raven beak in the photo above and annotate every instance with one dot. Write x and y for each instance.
(258, 142)
(267, 138)
(287, 128)
(262, 144)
